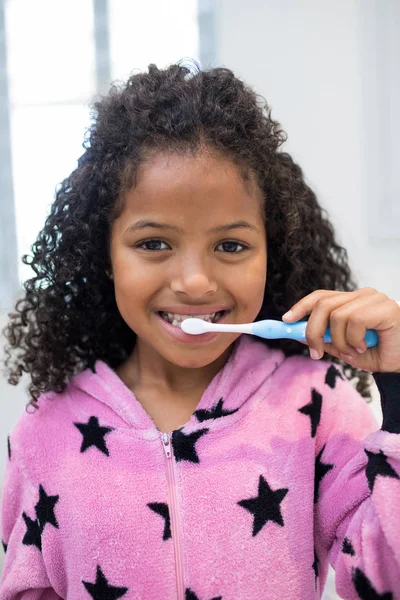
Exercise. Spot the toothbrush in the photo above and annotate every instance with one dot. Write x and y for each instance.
(267, 329)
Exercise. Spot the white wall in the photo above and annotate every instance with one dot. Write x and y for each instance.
(307, 59)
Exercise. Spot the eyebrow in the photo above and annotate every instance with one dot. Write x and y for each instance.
(139, 225)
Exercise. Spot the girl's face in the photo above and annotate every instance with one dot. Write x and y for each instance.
(182, 263)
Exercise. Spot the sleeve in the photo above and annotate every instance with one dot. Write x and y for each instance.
(24, 575)
(357, 488)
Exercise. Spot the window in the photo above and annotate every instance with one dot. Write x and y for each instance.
(51, 71)
(59, 55)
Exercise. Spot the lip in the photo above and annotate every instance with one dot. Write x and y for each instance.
(192, 310)
(179, 335)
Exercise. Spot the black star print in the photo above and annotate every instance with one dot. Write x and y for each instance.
(44, 514)
(364, 588)
(321, 469)
(101, 590)
(45, 509)
(347, 547)
(4, 546)
(331, 375)
(315, 567)
(215, 413)
(265, 507)
(183, 445)
(32, 535)
(93, 435)
(189, 595)
(162, 509)
(9, 447)
(378, 465)
(313, 410)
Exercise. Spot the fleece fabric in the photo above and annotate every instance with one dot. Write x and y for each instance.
(281, 469)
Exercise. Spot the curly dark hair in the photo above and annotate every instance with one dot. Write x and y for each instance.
(68, 317)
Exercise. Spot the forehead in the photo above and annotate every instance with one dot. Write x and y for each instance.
(201, 188)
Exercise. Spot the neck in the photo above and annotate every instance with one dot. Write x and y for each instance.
(145, 370)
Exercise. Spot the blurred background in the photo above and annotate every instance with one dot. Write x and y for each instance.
(329, 70)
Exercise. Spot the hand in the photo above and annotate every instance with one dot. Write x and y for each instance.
(349, 315)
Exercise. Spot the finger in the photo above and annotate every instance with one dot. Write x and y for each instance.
(319, 321)
(368, 361)
(330, 349)
(357, 320)
(329, 311)
(305, 305)
(384, 316)
(354, 360)
(354, 312)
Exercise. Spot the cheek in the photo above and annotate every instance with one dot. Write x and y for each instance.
(249, 285)
(135, 285)
(133, 280)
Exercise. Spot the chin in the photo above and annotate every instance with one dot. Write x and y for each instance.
(197, 358)
(194, 363)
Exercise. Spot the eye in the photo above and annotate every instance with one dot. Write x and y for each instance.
(231, 244)
(151, 243)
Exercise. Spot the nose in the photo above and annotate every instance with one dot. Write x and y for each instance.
(193, 278)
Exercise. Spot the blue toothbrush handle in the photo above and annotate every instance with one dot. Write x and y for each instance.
(371, 337)
(271, 329)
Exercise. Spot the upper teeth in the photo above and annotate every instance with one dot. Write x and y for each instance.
(173, 317)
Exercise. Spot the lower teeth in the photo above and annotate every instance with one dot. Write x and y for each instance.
(176, 323)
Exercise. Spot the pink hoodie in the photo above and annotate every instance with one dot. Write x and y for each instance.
(281, 469)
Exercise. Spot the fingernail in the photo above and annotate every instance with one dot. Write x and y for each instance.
(314, 354)
(360, 350)
(288, 315)
(347, 356)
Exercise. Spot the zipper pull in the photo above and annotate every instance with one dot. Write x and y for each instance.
(166, 444)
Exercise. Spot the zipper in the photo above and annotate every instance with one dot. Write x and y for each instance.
(174, 513)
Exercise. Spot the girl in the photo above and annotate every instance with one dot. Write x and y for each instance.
(161, 465)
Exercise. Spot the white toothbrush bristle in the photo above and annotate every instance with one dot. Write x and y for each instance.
(195, 326)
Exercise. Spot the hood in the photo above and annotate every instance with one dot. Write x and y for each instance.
(246, 373)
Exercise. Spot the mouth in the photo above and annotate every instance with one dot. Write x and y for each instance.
(176, 320)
